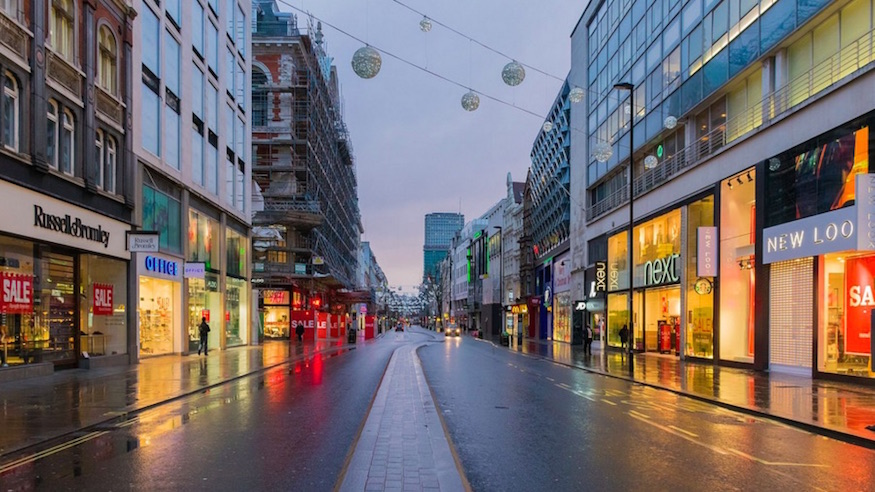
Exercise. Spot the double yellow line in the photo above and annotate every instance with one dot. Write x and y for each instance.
(53, 450)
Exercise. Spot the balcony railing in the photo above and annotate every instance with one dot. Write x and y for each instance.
(850, 60)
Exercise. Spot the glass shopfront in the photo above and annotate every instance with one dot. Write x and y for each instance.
(699, 334)
(103, 294)
(204, 301)
(737, 267)
(236, 310)
(562, 317)
(618, 280)
(847, 294)
(160, 304)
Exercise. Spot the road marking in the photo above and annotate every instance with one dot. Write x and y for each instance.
(563, 385)
(584, 396)
(679, 434)
(684, 431)
(772, 463)
(609, 402)
(637, 414)
(129, 422)
(550, 379)
(51, 451)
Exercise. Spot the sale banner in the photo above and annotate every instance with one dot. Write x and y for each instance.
(322, 326)
(304, 318)
(860, 298)
(16, 293)
(102, 296)
(369, 327)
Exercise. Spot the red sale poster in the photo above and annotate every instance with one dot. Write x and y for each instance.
(860, 298)
(102, 296)
(322, 326)
(305, 318)
(369, 327)
(16, 293)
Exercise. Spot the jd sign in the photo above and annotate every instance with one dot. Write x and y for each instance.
(662, 271)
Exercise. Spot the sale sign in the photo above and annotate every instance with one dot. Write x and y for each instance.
(102, 295)
(16, 293)
(860, 292)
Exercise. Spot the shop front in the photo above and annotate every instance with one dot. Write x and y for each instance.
(562, 298)
(277, 314)
(160, 304)
(516, 321)
(64, 277)
(819, 249)
(236, 288)
(596, 284)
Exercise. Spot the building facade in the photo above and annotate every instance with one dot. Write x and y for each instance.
(192, 63)
(516, 313)
(308, 222)
(67, 178)
(440, 227)
(751, 139)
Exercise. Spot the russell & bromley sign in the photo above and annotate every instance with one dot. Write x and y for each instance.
(69, 226)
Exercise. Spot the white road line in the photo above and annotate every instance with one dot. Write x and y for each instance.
(772, 463)
(550, 379)
(638, 414)
(684, 431)
(681, 435)
(609, 402)
(584, 396)
(51, 451)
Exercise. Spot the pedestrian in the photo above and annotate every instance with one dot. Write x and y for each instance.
(203, 330)
(587, 340)
(624, 336)
(299, 331)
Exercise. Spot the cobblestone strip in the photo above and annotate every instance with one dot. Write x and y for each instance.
(403, 446)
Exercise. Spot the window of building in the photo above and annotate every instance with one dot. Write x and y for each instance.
(61, 28)
(10, 7)
(259, 98)
(241, 31)
(66, 142)
(52, 134)
(230, 66)
(197, 33)
(197, 91)
(98, 142)
(150, 116)
(213, 47)
(109, 165)
(107, 71)
(197, 153)
(171, 133)
(151, 46)
(212, 168)
(161, 212)
(171, 63)
(10, 119)
(173, 11)
(212, 108)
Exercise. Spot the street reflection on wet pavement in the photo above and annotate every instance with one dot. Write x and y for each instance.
(841, 407)
(40, 409)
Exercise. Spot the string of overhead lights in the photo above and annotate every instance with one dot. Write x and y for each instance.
(367, 61)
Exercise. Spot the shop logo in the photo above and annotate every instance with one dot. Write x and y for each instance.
(165, 267)
(662, 271)
(614, 276)
(69, 226)
(601, 276)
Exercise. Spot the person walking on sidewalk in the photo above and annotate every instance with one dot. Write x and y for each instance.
(624, 336)
(299, 331)
(587, 339)
(203, 330)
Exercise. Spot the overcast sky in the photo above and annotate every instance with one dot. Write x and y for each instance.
(416, 150)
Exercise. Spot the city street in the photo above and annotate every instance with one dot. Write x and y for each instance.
(516, 422)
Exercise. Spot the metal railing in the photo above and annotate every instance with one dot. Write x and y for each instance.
(857, 56)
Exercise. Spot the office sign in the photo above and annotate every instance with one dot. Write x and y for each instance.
(706, 252)
(194, 270)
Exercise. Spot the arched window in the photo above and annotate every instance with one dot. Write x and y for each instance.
(61, 28)
(107, 73)
(11, 110)
(66, 142)
(259, 98)
(52, 134)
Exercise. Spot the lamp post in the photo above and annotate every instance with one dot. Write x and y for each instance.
(627, 86)
(502, 322)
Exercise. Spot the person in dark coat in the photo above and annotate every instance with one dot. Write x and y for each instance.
(299, 331)
(624, 336)
(203, 330)
(587, 339)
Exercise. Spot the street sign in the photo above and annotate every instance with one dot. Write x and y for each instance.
(143, 241)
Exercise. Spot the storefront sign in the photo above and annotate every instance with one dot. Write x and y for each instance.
(300, 269)
(70, 226)
(614, 276)
(812, 236)
(865, 205)
(194, 270)
(102, 297)
(276, 297)
(580, 305)
(143, 241)
(562, 273)
(160, 265)
(595, 305)
(518, 309)
(860, 292)
(16, 293)
(706, 252)
(662, 271)
(601, 278)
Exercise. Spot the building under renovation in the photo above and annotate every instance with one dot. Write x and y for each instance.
(306, 224)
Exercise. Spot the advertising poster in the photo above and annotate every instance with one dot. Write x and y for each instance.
(369, 327)
(322, 326)
(102, 295)
(16, 293)
(860, 299)
(305, 318)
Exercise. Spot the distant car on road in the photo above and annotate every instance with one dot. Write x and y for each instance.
(399, 328)
(453, 331)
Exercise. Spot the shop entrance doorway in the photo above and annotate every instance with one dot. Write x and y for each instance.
(660, 309)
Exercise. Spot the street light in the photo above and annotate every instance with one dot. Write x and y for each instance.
(626, 86)
(502, 322)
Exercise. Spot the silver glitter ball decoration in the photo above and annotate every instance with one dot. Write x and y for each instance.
(513, 74)
(650, 162)
(548, 125)
(602, 151)
(774, 164)
(366, 62)
(670, 122)
(470, 101)
(576, 95)
(425, 24)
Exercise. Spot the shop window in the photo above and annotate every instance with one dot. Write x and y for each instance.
(61, 28)
(158, 308)
(203, 239)
(103, 293)
(18, 331)
(10, 118)
(236, 249)
(699, 327)
(107, 66)
(737, 266)
(236, 310)
(845, 323)
(161, 212)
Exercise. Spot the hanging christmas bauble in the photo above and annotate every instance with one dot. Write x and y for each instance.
(650, 162)
(548, 125)
(513, 74)
(470, 101)
(425, 24)
(576, 95)
(670, 122)
(602, 151)
(366, 62)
